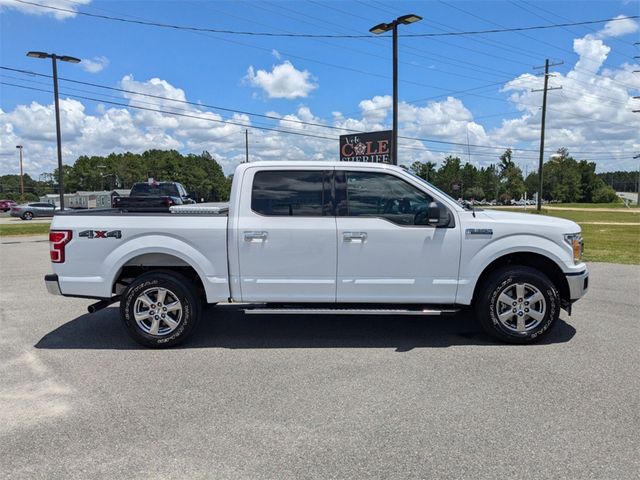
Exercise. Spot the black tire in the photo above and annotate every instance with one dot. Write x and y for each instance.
(176, 287)
(27, 216)
(506, 280)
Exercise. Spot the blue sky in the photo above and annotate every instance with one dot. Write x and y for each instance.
(336, 82)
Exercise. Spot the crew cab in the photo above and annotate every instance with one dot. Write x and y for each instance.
(321, 237)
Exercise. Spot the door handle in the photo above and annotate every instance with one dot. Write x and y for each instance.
(251, 236)
(354, 236)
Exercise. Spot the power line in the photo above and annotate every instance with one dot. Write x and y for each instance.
(522, 5)
(309, 35)
(298, 133)
(228, 122)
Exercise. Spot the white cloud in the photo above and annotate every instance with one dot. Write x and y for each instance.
(276, 54)
(94, 65)
(376, 109)
(618, 28)
(57, 14)
(592, 113)
(284, 81)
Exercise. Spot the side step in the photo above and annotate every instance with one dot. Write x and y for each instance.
(348, 311)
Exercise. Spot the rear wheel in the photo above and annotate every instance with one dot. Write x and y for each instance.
(518, 304)
(159, 309)
(27, 216)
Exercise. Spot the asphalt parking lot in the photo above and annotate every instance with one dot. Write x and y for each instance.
(315, 397)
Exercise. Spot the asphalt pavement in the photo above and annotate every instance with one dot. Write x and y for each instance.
(281, 397)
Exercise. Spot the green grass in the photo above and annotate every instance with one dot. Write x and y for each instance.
(605, 243)
(589, 216)
(591, 205)
(612, 243)
(24, 229)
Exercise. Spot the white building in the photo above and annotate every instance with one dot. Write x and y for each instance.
(85, 199)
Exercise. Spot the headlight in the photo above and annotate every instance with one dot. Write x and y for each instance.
(575, 241)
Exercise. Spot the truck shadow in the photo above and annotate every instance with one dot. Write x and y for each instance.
(228, 327)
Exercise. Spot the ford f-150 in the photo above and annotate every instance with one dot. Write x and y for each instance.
(321, 237)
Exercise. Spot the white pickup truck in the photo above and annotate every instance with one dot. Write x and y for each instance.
(321, 237)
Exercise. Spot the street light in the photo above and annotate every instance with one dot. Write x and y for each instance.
(385, 27)
(19, 147)
(62, 58)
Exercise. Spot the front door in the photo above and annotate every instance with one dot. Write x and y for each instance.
(387, 252)
(287, 236)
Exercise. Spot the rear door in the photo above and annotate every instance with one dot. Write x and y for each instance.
(387, 252)
(286, 236)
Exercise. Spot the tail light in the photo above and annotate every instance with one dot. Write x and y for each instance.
(57, 241)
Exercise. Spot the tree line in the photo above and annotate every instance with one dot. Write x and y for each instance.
(201, 175)
(565, 178)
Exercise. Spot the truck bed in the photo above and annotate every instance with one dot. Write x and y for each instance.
(105, 242)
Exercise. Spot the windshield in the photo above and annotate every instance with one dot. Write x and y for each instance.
(430, 185)
(157, 190)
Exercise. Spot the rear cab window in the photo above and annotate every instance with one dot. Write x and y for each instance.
(157, 190)
(292, 193)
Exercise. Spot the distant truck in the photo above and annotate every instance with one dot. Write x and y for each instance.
(153, 196)
(321, 238)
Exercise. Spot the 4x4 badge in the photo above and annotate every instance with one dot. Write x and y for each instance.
(100, 234)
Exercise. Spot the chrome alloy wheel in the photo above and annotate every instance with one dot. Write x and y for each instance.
(157, 311)
(520, 307)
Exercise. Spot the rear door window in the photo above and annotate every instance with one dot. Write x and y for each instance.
(292, 193)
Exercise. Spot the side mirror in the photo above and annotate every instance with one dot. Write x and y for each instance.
(433, 213)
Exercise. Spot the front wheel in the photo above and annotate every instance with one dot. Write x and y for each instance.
(159, 309)
(27, 216)
(518, 304)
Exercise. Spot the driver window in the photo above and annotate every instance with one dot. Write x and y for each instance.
(371, 194)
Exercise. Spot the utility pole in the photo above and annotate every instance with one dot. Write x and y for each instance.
(19, 147)
(544, 114)
(246, 145)
(638, 187)
(637, 156)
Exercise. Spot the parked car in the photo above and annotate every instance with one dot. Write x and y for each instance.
(321, 238)
(31, 210)
(5, 205)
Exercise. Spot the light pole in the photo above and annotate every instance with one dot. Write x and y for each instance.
(19, 147)
(385, 27)
(54, 58)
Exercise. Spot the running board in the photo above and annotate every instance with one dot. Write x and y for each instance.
(348, 311)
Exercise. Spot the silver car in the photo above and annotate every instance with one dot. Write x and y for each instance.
(31, 210)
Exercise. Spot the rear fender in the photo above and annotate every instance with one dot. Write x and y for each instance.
(213, 277)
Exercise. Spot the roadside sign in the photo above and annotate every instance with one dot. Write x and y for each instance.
(366, 147)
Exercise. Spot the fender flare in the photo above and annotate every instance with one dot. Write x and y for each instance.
(164, 245)
(509, 245)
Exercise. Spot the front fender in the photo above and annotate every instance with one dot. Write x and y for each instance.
(475, 259)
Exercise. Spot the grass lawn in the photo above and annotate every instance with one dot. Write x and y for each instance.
(589, 205)
(593, 205)
(577, 216)
(612, 243)
(605, 243)
(24, 229)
